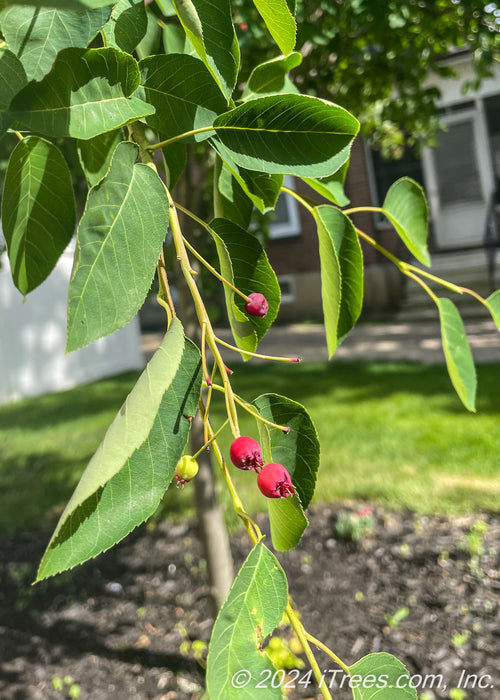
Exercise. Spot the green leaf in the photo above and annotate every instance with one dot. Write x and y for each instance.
(209, 27)
(151, 43)
(133, 466)
(127, 26)
(37, 34)
(290, 134)
(244, 263)
(253, 609)
(332, 187)
(341, 262)
(118, 245)
(86, 93)
(297, 450)
(231, 202)
(263, 189)
(287, 522)
(175, 39)
(175, 157)
(38, 211)
(12, 80)
(493, 304)
(280, 22)
(58, 4)
(271, 76)
(95, 155)
(459, 360)
(381, 675)
(183, 93)
(406, 208)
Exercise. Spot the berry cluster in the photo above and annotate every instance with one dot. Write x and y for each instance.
(273, 479)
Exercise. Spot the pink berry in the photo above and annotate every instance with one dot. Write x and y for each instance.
(245, 453)
(257, 305)
(274, 481)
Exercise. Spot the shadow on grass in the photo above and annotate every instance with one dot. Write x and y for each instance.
(64, 406)
(361, 381)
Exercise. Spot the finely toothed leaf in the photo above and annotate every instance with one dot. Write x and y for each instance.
(244, 263)
(183, 93)
(406, 208)
(297, 450)
(280, 22)
(271, 77)
(95, 154)
(59, 4)
(341, 273)
(381, 675)
(36, 35)
(209, 27)
(459, 360)
(493, 304)
(287, 522)
(118, 245)
(263, 189)
(252, 610)
(134, 465)
(87, 92)
(38, 211)
(290, 134)
(127, 25)
(12, 80)
(231, 201)
(332, 187)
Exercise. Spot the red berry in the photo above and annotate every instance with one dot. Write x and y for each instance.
(274, 481)
(256, 305)
(245, 453)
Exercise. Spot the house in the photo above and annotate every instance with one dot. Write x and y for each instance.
(458, 176)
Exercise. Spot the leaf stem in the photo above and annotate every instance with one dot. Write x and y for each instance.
(302, 635)
(256, 354)
(358, 210)
(300, 199)
(328, 651)
(165, 299)
(180, 137)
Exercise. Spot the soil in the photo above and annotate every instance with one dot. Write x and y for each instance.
(122, 626)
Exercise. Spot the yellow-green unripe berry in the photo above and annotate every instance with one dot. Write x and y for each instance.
(186, 469)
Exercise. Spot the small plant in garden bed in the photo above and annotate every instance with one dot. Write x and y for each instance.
(354, 526)
(130, 106)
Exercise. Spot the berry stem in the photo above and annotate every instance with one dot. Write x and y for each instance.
(209, 267)
(250, 525)
(211, 439)
(164, 297)
(256, 354)
(257, 416)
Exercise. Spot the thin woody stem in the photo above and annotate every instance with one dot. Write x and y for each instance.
(246, 407)
(212, 269)
(328, 651)
(165, 287)
(302, 635)
(251, 526)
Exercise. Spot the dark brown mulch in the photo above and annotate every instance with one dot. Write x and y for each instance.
(121, 625)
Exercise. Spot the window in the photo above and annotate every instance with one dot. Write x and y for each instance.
(287, 286)
(456, 165)
(386, 172)
(285, 219)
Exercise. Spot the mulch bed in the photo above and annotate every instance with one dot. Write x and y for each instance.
(122, 626)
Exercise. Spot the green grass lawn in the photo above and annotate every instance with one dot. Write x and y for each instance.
(392, 433)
